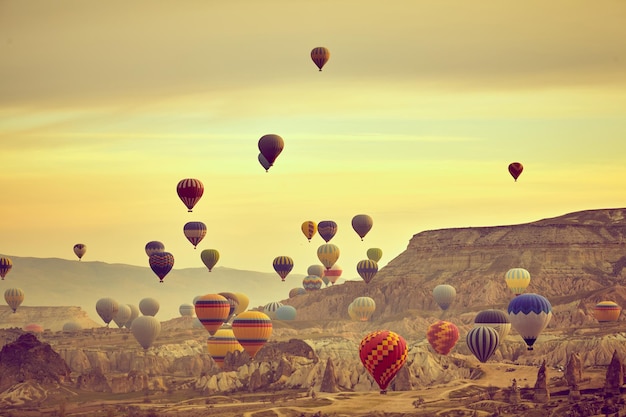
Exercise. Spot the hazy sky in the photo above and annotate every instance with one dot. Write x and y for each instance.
(105, 106)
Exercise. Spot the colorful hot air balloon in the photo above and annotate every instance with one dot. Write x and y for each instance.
(122, 315)
(294, 292)
(363, 308)
(161, 264)
(14, 298)
(374, 254)
(320, 56)
(5, 266)
(334, 273)
(186, 310)
(149, 306)
(383, 353)
(362, 224)
(271, 146)
(529, 314)
(517, 279)
(327, 229)
(286, 312)
(283, 266)
(270, 309)
(482, 341)
(607, 311)
(444, 295)
(442, 336)
(194, 232)
(145, 329)
(212, 310)
(233, 302)
(244, 301)
(497, 319)
(252, 330)
(328, 254)
(515, 169)
(367, 269)
(222, 343)
(154, 247)
(190, 191)
(79, 250)
(33, 328)
(264, 162)
(210, 257)
(107, 309)
(312, 283)
(309, 228)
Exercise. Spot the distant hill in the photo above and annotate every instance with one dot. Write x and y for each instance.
(59, 282)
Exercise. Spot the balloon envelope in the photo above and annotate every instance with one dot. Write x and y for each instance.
(334, 273)
(270, 309)
(367, 269)
(134, 313)
(383, 353)
(497, 319)
(482, 341)
(294, 292)
(283, 266)
(107, 309)
(154, 247)
(515, 169)
(212, 310)
(309, 228)
(244, 301)
(374, 254)
(271, 146)
(161, 264)
(444, 295)
(79, 250)
(517, 279)
(210, 257)
(14, 298)
(190, 191)
(327, 229)
(362, 224)
(363, 308)
(442, 336)
(607, 311)
(233, 302)
(222, 343)
(286, 312)
(5, 266)
(252, 330)
(186, 310)
(529, 314)
(318, 270)
(320, 56)
(328, 254)
(149, 306)
(194, 232)
(145, 329)
(122, 315)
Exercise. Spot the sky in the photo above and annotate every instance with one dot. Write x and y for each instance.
(105, 106)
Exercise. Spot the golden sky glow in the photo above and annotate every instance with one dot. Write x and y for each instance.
(105, 106)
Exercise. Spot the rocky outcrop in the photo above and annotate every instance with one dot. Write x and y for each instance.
(28, 359)
(542, 394)
(329, 381)
(573, 376)
(614, 376)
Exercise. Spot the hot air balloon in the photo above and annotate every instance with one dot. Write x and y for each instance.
(161, 264)
(482, 341)
(122, 315)
(233, 302)
(264, 162)
(146, 329)
(222, 343)
(442, 336)
(309, 228)
(283, 266)
(244, 301)
(320, 56)
(14, 298)
(270, 309)
(107, 309)
(529, 314)
(607, 311)
(252, 330)
(212, 310)
(312, 283)
(190, 191)
(318, 270)
(72, 327)
(334, 273)
(5, 266)
(186, 310)
(517, 279)
(327, 229)
(362, 224)
(374, 254)
(383, 353)
(79, 250)
(497, 319)
(367, 269)
(444, 295)
(363, 308)
(134, 313)
(515, 169)
(149, 306)
(286, 312)
(294, 292)
(271, 146)
(33, 328)
(351, 312)
(328, 254)
(154, 247)
(194, 232)
(210, 257)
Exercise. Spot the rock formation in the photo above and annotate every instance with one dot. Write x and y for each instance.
(573, 376)
(329, 381)
(614, 377)
(542, 394)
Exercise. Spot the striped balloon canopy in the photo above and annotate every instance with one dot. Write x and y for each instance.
(442, 336)
(497, 319)
(320, 56)
(222, 343)
(328, 254)
(209, 258)
(444, 295)
(309, 229)
(607, 311)
(383, 353)
(482, 341)
(5, 266)
(212, 310)
(154, 246)
(312, 283)
(252, 330)
(161, 264)
(190, 191)
(14, 298)
(529, 314)
(233, 301)
(367, 269)
(363, 308)
(283, 266)
(271, 307)
(517, 279)
(194, 232)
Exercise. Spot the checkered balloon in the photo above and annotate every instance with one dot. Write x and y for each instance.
(383, 353)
